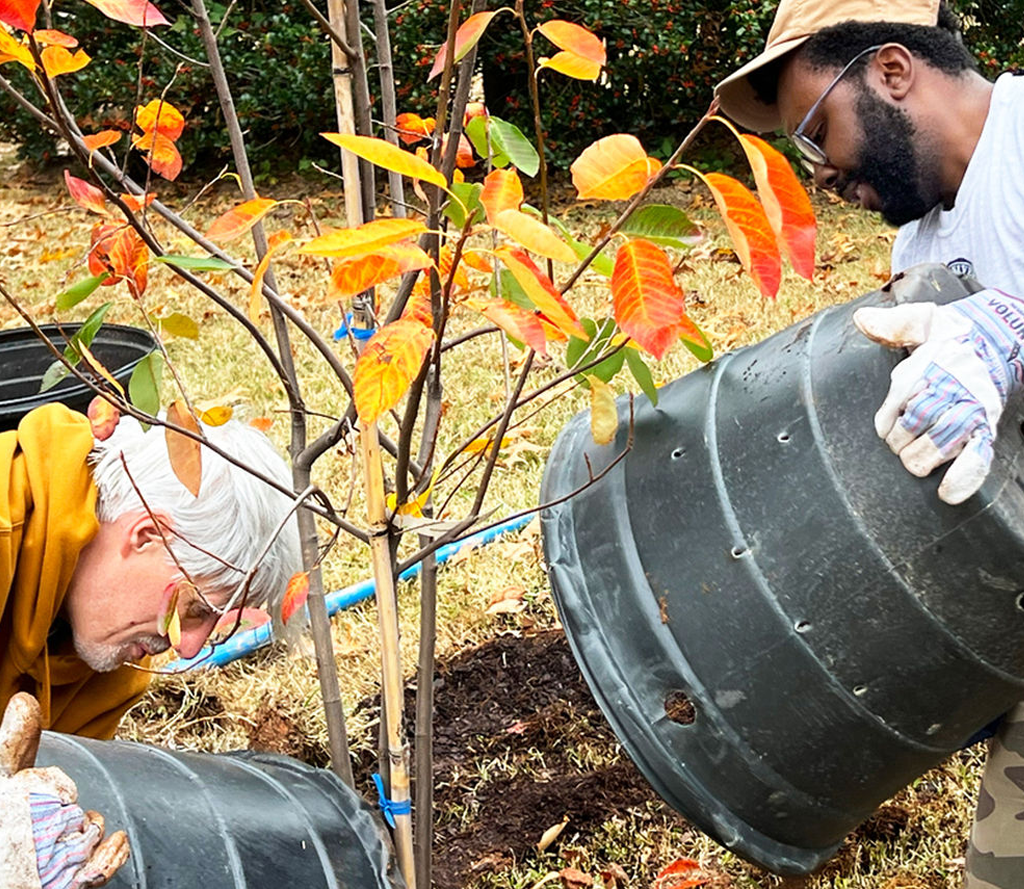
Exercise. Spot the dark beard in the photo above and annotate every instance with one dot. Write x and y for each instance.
(889, 162)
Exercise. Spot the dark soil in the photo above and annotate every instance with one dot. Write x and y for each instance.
(503, 702)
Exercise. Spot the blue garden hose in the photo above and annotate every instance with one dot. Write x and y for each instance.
(247, 641)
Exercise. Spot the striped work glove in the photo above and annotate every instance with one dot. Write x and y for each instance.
(945, 400)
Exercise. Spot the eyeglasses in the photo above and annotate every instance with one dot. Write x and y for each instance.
(810, 149)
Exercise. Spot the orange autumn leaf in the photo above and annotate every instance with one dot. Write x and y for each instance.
(646, 300)
(101, 139)
(140, 13)
(502, 190)
(12, 50)
(575, 39)
(86, 194)
(613, 168)
(136, 202)
(162, 154)
(518, 323)
(295, 595)
(542, 293)
(274, 243)
(57, 60)
(240, 219)
(20, 14)
(387, 366)
(52, 37)
(477, 261)
(184, 453)
(118, 252)
(460, 281)
(751, 233)
(390, 157)
(683, 873)
(785, 202)
(352, 276)
(364, 238)
(162, 117)
(463, 153)
(412, 128)
(417, 308)
(262, 423)
(467, 36)
(533, 234)
(103, 418)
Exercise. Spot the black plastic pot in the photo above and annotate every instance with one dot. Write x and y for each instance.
(24, 359)
(784, 626)
(258, 821)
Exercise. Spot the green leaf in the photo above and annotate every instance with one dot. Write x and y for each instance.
(476, 130)
(85, 335)
(663, 224)
(469, 194)
(77, 292)
(53, 375)
(144, 385)
(177, 324)
(196, 263)
(599, 340)
(642, 374)
(574, 351)
(509, 140)
(702, 352)
(602, 264)
(610, 366)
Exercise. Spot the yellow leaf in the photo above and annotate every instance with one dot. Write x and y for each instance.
(162, 117)
(390, 157)
(604, 418)
(174, 629)
(533, 234)
(575, 39)
(364, 239)
(571, 65)
(217, 416)
(387, 366)
(542, 293)
(613, 169)
(276, 241)
(11, 50)
(184, 453)
(95, 364)
(484, 444)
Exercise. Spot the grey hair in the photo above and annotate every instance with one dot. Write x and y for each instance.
(217, 535)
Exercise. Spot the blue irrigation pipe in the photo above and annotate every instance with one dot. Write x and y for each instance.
(247, 641)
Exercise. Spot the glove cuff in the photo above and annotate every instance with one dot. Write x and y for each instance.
(18, 868)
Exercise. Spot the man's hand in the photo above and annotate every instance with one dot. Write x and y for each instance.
(46, 840)
(945, 400)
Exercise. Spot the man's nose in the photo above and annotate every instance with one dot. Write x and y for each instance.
(825, 176)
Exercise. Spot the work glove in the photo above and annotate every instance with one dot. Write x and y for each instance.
(46, 840)
(945, 400)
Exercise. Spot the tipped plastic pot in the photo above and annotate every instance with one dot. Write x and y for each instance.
(783, 625)
(253, 820)
(24, 359)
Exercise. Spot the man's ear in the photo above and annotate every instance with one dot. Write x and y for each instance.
(895, 65)
(141, 532)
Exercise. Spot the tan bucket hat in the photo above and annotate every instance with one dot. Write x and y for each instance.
(795, 21)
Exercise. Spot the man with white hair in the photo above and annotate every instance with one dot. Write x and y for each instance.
(99, 543)
(885, 104)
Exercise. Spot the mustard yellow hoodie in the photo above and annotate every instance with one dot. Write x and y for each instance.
(47, 515)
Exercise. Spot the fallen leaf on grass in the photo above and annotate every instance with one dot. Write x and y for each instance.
(614, 877)
(574, 879)
(507, 601)
(551, 834)
(683, 873)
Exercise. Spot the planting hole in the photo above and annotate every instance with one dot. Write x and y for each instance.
(678, 452)
(802, 626)
(860, 690)
(679, 709)
(738, 552)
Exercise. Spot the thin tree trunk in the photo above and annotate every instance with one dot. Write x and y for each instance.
(386, 71)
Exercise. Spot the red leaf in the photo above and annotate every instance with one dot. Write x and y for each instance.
(470, 31)
(140, 13)
(85, 194)
(751, 233)
(648, 304)
(683, 873)
(118, 251)
(515, 321)
(19, 14)
(295, 595)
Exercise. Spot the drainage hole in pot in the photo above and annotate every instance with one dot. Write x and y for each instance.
(782, 437)
(678, 452)
(802, 626)
(738, 552)
(1020, 602)
(679, 709)
(860, 690)
(933, 728)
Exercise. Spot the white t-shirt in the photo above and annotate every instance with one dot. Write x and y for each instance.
(983, 235)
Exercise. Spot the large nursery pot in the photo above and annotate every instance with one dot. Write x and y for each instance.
(227, 821)
(783, 625)
(24, 359)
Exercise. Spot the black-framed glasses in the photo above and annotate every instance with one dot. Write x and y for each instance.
(810, 149)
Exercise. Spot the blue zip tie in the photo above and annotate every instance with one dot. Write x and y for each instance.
(389, 807)
(360, 333)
